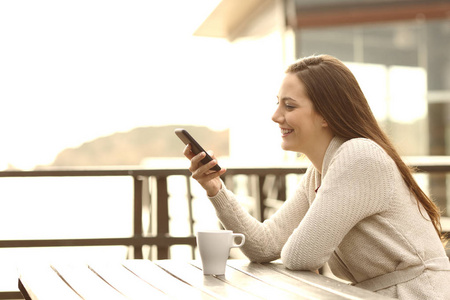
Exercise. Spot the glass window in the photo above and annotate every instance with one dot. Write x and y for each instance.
(404, 71)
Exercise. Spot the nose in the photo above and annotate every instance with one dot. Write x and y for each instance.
(277, 117)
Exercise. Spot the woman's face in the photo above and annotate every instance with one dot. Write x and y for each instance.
(301, 126)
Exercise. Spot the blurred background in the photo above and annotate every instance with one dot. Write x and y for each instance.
(103, 84)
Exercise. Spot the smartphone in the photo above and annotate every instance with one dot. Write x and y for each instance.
(195, 146)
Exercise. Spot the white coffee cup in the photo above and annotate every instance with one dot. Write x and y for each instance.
(214, 247)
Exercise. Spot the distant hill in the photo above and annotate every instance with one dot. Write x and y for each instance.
(130, 148)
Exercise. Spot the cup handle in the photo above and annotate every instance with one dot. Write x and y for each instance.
(235, 235)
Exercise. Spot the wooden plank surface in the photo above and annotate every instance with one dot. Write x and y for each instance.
(280, 280)
(329, 284)
(126, 282)
(86, 283)
(164, 281)
(255, 286)
(214, 286)
(43, 283)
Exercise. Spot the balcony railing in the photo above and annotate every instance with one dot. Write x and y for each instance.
(267, 184)
(162, 239)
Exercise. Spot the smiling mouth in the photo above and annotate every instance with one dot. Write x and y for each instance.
(285, 132)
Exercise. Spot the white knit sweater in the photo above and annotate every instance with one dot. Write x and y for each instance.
(363, 221)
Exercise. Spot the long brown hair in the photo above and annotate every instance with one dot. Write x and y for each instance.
(337, 97)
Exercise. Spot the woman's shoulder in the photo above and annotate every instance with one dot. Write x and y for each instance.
(362, 143)
(362, 161)
(366, 152)
(362, 147)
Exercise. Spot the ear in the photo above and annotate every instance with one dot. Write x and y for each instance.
(324, 122)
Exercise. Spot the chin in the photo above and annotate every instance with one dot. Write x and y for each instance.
(286, 147)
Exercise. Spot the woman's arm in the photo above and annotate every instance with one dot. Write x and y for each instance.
(265, 240)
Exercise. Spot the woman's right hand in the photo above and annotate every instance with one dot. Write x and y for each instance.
(208, 179)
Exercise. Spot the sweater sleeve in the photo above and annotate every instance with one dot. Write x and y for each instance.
(358, 184)
(265, 240)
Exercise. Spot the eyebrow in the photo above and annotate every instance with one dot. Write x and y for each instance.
(287, 98)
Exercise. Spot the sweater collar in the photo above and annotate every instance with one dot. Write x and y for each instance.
(334, 145)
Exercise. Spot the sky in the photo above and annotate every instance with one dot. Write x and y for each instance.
(72, 71)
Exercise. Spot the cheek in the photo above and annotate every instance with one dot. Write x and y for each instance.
(299, 122)
(292, 119)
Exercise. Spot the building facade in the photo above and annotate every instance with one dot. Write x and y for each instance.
(398, 50)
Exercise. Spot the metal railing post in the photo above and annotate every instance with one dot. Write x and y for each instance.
(137, 215)
(163, 214)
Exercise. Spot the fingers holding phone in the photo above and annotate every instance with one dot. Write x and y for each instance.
(195, 147)
(205, 174)
(204, 166)
(197, 164)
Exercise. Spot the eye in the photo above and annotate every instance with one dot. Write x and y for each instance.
(289, 107)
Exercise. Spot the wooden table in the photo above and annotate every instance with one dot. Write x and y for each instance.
(165, 279)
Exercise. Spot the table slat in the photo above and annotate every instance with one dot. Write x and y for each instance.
(211, 285)
(284, 282)
(162, 280)
(254, 285)
(86, 283)
(329, 284)
(126, 282)
(43, 283)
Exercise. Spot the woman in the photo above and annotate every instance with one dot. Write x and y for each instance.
(357, 207)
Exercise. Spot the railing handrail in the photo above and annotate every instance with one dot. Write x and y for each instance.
(136, 171)
(430, 163)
